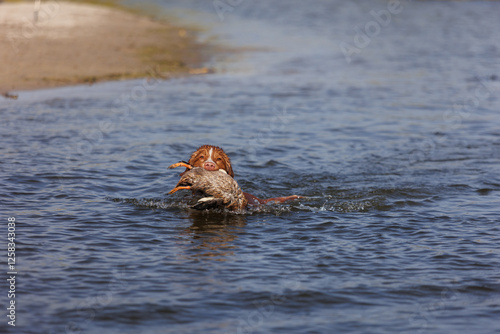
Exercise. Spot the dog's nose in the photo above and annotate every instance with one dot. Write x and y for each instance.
(209, 165)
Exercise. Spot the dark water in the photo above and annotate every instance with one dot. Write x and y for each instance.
(397, 151)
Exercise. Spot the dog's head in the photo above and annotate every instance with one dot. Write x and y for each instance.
(211, 158)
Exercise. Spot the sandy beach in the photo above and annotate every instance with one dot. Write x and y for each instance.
(62, 43)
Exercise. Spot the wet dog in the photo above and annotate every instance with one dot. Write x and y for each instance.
(213, 158)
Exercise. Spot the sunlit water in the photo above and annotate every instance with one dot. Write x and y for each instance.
(396, 147)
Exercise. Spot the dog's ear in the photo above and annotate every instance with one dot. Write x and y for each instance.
(227, 162)
(230, 169)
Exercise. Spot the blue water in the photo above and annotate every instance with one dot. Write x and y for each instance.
(396, 147)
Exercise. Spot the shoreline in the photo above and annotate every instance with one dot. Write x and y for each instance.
(70, 43)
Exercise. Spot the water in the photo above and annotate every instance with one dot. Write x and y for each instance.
(397, 152)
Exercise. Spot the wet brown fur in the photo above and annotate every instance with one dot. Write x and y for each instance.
(220, 158)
